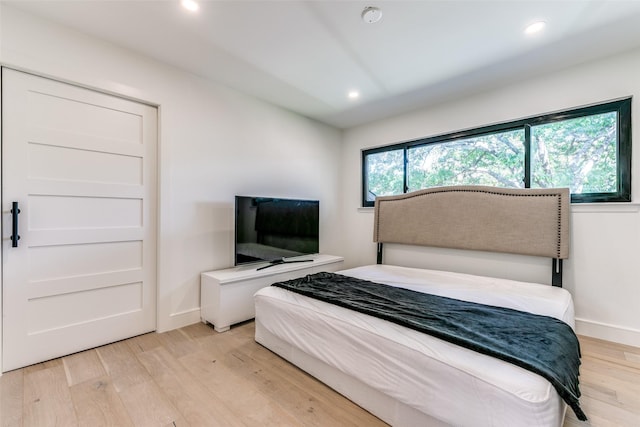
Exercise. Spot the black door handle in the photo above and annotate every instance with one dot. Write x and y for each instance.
(14, 224)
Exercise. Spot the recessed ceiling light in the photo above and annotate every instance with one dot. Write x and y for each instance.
(371, 15)
(536, 27)
(190, 5)
(354, 94)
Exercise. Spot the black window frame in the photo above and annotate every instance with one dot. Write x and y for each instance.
(623, 146)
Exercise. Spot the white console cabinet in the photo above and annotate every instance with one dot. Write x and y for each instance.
(226, 296)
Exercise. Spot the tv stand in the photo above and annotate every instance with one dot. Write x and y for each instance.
(282, 261)
(226, 296)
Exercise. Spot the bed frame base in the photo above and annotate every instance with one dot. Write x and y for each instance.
(556, 272)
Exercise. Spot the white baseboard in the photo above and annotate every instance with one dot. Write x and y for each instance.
(603, 331)
(180, 319)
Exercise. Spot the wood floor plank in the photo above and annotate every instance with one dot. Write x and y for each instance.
(147, 406)
(198, 330)
(632, 357)
(97, 404)
(42, 365)
(178, 343)
(197, 405)
(144, 342)
(621, 360)
(604, 413)
(618, 385)
(83, 366)
(47, 400)
(240, 396)
(122, 366)
(244, 330)
(596, 345)
(620, 371)
(11, 398)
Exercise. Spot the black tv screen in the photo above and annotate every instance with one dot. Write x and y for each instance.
(273, 229)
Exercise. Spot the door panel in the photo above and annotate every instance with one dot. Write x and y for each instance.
(46, 162)
(82, 166)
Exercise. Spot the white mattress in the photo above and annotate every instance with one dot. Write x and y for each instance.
(452, 384)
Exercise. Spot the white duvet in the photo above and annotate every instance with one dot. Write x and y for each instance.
(448, 382)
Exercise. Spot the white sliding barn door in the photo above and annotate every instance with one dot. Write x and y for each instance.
(82, 167)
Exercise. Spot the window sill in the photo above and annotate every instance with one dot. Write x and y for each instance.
(621, 207)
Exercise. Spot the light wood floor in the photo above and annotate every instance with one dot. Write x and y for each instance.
(196, 377)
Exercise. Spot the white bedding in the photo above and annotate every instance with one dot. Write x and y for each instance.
(452, 384)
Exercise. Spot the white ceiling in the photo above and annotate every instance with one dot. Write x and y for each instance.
(306, 55)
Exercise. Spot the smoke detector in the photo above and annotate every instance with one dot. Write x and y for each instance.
(371, 15)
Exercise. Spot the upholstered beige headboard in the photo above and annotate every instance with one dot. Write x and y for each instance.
(519, 221)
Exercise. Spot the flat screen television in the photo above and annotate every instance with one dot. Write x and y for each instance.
(273, 229)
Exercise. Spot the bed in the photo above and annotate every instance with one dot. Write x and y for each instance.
(404, 376)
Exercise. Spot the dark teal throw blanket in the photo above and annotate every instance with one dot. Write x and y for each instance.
(540, 344)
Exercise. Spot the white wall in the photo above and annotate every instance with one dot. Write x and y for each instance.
(214, 143)
(603, 272)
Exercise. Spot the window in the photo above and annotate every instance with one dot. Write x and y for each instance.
(384, 173)
(587, 149)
